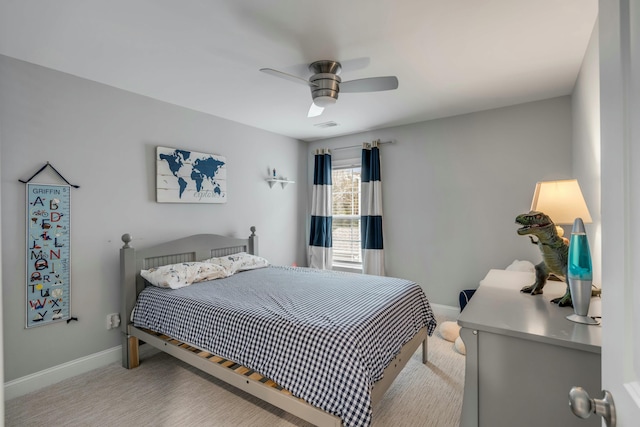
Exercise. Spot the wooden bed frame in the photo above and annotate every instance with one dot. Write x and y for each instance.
(203, 246)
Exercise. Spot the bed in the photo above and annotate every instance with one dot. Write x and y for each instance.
(270, 332)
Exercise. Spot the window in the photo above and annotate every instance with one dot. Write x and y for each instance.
(346, 218)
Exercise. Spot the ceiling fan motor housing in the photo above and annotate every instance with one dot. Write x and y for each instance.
(327, 89)
(326, 82)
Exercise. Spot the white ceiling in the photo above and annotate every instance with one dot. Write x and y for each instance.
(450, 57)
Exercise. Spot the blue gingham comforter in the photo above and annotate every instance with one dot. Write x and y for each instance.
(324, 336)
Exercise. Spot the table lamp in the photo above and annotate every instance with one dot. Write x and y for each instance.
(562, 200)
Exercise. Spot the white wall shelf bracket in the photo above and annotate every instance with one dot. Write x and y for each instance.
(283, 182)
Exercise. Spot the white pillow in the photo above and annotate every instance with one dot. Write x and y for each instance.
(518, 265)
(508, 279)
(176, 276)
(239, 262)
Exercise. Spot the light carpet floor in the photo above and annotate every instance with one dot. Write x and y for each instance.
(164, 391)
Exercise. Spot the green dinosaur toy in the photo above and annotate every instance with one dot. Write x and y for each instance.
(554, 249)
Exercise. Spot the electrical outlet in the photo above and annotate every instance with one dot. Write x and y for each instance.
(113, 320)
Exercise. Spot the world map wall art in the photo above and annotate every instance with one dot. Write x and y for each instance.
(189, 177)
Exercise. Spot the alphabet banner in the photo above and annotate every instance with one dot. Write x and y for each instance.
(48, 253)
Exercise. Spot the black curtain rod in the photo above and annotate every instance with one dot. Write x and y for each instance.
(356, 146)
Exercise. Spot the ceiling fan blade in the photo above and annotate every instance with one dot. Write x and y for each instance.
(286, 76)
(371, 84)
(314, 110)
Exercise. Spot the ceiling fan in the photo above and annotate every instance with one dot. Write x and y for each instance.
(325, 84)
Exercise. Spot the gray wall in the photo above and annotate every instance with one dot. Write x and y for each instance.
(452, 188)
(586, 146)
(104, 140)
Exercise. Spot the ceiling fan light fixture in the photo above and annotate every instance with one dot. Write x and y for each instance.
(325, 84)
(324, 101)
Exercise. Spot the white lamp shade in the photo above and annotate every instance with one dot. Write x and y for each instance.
(562, 200)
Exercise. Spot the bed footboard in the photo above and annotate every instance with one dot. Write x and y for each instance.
(238, 376)
(259, 386)
(398, 363)
(425, 348)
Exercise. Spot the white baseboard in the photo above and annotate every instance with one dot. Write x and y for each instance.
(38, 380)
(445, 310)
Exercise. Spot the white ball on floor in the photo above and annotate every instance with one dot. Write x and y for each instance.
(449, 330)
(459, 346)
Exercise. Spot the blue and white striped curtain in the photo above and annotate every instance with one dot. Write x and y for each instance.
(320, 246)
(371, 211)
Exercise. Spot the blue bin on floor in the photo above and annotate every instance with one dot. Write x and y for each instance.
(465, 296)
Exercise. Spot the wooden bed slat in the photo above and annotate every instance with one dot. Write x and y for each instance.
(246, 380)
(390, 373)
(242, 369)
(255, 376)
(230, 364)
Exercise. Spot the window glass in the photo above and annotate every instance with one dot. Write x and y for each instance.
(346, 217)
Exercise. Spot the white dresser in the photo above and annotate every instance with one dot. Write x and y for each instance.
(523, 355)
